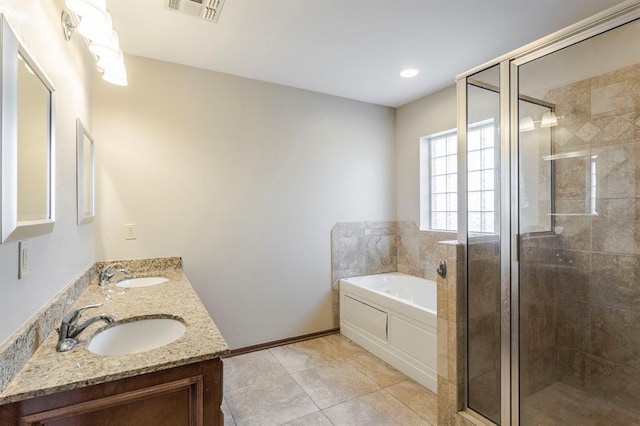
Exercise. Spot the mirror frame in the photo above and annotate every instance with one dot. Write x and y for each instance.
(11, 229)
(83, 135)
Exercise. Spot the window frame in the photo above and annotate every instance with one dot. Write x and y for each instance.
(479, 126)
(426, 175)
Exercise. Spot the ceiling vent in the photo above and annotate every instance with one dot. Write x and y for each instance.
(209, 10)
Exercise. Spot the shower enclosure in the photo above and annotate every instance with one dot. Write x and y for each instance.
(550, 141)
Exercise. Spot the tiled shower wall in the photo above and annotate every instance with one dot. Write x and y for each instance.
(483, 316)
(579, 288)
(540, 272)
(363, 248)
(598, 302)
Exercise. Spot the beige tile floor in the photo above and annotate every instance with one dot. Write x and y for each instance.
(561, 404)
(324, 381)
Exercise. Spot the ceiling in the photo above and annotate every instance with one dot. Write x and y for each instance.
(349, 48)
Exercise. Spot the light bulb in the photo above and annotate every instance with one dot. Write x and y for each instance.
(116, 74)
(98, 28)
(526, 124)
(549, 119)
(86, 7)
(110, 46)
(110, 59)
(409, 72)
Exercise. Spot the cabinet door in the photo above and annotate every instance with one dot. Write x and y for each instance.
(188, 395)
(177, 403)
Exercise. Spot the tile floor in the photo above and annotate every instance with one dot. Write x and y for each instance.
(561, 404)
(324, 381)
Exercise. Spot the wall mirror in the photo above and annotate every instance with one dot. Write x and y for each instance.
(27, 140)
(85, 179)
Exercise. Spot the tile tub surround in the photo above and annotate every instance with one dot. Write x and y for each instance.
(365, 248)
(360, 248)
(48, 371)
(417, 250)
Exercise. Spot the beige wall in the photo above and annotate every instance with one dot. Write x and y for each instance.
(54, 259)
(426, 116)
(244, 180)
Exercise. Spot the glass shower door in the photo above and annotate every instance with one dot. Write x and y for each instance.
(579, 232)
(483, 242)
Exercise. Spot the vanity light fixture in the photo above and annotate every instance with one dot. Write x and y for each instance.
(409, 72)
(526, 124)
(92, 20)
(549, 119)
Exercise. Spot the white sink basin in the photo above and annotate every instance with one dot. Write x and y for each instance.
(137, 336)
(141, 282)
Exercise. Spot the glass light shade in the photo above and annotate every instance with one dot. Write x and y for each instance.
(116, 74)
(110, 59)
(549, 119)
(526, 124)
(86, 7)
(98, 29)
(110, 46)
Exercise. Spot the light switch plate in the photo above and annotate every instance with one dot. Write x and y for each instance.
(23, 259)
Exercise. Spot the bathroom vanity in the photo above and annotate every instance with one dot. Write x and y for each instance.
(179, 383)
(185, 395)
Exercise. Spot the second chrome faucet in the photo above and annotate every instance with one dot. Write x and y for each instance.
(106, 274)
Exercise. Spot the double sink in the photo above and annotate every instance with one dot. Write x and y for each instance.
(153, 327)
(137, 335)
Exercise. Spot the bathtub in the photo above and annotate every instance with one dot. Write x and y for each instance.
(393, 316)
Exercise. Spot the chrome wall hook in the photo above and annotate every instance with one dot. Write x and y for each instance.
(442, 269)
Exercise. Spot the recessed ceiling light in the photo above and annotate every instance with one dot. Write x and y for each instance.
(409, 72)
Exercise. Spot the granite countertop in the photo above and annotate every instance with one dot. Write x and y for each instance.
(48, 371)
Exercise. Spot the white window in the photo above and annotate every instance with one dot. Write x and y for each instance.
(439, 183)
(480, 178)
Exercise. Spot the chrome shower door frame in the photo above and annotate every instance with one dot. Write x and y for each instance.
(509, 171)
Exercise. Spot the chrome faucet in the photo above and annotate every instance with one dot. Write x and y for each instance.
(107, 273)
(69, 329)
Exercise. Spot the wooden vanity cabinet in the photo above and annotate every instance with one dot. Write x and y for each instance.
(186, 395)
